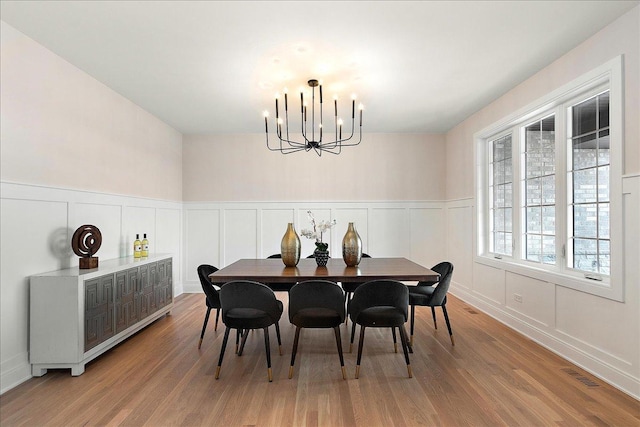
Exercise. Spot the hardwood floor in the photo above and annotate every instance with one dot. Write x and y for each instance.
(492, 377)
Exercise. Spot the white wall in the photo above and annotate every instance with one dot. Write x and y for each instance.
(382, 167)
(599, 334)
(62, 128)
(73, 152)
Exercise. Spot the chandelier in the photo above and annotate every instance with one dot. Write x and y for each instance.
(308, 128)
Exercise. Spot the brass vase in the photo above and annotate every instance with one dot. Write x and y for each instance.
(290, 247)
(351, 247)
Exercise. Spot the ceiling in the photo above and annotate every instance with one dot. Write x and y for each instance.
(214, 67)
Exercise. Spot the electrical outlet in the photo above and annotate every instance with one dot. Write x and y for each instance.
(517, 297)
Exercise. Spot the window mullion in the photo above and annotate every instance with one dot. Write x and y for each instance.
(561, 185)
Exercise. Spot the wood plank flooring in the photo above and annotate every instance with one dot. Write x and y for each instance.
(492, 377)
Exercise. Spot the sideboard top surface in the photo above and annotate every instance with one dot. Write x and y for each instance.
(105, 267)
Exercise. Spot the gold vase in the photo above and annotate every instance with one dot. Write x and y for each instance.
(290, 247)
(351, 247)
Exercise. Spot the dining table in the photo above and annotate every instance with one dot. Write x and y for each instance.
(274, 271)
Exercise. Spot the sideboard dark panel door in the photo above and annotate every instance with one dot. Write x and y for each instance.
(99, 310)
(164, 283)
(145, 292)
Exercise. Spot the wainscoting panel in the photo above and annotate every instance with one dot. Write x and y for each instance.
(202, 241)
(273, 223)
(109, 218)
(390, 231)
(428, 242)
(320, 213)
(532, 299)
(240, 234)
(459, 237)
(489, 284)
(360, 219)
(37, 225)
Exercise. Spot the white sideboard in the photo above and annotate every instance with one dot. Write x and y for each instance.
(76, 315)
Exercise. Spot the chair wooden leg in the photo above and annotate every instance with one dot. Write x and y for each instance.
(215, 328)
(395, 341)
(279, 340)
(433, 314)
(413, 319)
(362, 328)
(222, 348)
(353, 334)
(204, 326)
(245, 334)
(446, 318)
(336, 330)
(294, 351)
(405, 347)
(238, 332)
(268, 350)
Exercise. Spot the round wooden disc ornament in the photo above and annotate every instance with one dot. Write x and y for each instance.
(85, 243)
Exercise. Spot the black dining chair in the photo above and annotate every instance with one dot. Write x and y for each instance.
(316, 304)
(428, 295)
(246, 306)
(380, 304)
(212, 297)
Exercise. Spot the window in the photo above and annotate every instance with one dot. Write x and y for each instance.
(501, 187)
(539, 189)
(563, 153)
(589, 174)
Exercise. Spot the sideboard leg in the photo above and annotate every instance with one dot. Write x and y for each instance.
(37, 371)
(77, 370)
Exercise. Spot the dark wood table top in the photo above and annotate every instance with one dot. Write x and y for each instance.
(274, 271)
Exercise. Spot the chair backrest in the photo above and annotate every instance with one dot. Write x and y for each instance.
(365, 255)
(274, 256)
(316, 294)
(445, 270)
(379, 293)
(248, 294)
(210, 290)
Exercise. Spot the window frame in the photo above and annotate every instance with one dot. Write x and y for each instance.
(609, 77)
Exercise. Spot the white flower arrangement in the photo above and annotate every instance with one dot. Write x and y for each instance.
(318, 229)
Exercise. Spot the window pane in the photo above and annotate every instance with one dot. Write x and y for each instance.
(603, 220)
(584, 152)
(549, 220)
(534, 247)
(508, 195)
(603, 147)
(498, 196)
(534, 220)
(604, 258)
(508, 249)
(498, 220)
(498, 239)
(584, 117)
(603, 184)
(548, 190)
(548, 250)
(534, 191)
(498, 173)
(584, 186)
(585, 254)
(603, 110)
(585, 221)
